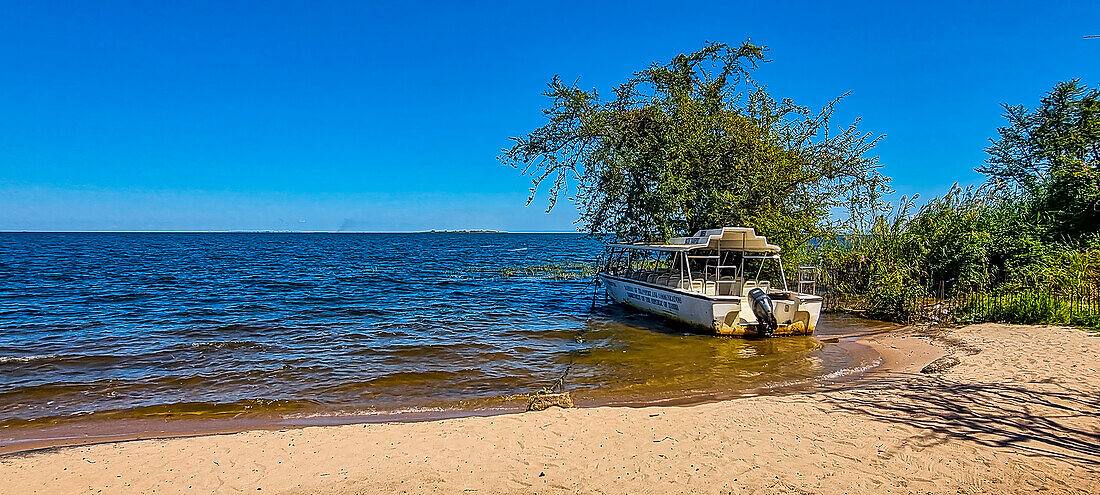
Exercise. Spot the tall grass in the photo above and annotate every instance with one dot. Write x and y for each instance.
(973, 256)
(1031, 305)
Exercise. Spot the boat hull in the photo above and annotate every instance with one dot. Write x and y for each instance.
(797, 314)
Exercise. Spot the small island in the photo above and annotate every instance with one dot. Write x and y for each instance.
(463, 231)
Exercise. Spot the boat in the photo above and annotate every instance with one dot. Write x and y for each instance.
(713, 280)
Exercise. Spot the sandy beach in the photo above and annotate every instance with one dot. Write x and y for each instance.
(1018, 413)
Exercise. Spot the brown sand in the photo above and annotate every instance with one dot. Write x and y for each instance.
(1018, 414)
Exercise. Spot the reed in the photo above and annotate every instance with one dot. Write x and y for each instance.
(553, 271)
(1024, 247)
(966, 257)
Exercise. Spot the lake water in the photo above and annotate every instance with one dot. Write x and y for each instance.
(297, 326)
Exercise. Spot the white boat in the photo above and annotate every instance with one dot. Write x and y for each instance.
(711, 280)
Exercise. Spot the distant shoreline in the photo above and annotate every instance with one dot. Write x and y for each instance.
(433, 231)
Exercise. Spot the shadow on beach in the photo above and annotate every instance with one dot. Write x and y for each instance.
(1044, 417)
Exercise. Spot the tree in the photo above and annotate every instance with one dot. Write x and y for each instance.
(1049, 158)
(695, 143)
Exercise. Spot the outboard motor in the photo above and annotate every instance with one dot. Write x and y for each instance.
(763, 308)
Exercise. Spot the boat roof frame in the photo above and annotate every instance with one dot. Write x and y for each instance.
(737, 239)
(680, 248)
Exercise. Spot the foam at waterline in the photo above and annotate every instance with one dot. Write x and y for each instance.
(850, 372)
(368, 412)
(28, 359)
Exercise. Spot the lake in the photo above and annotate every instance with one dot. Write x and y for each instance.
(317, 328)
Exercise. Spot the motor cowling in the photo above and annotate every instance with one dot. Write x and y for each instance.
(764, 310)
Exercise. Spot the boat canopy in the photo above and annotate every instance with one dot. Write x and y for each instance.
(725, 239)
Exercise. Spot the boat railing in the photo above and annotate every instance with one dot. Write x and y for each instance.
(706, 285)
(708, 272)
(807, 279)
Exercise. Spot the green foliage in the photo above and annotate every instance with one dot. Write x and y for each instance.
(694, 143)
(1032, 305)
(1060, 269)
(1025, 247)
(965, 243)
(1050, 158)
(903, 257)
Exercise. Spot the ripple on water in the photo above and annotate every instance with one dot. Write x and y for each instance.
(225, 325)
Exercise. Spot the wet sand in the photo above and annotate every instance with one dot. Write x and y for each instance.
(1017, 414)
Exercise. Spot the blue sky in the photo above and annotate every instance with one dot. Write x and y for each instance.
(389, 116)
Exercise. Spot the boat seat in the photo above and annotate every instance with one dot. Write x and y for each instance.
(652, 277)
(729, 286)
(662, 279)
(692, 284)
(747, 286)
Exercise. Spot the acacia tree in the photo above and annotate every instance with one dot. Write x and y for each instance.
(695, 143)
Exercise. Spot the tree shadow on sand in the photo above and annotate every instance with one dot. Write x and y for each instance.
(1044, 418)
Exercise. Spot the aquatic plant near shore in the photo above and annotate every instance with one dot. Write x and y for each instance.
(553, 271)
